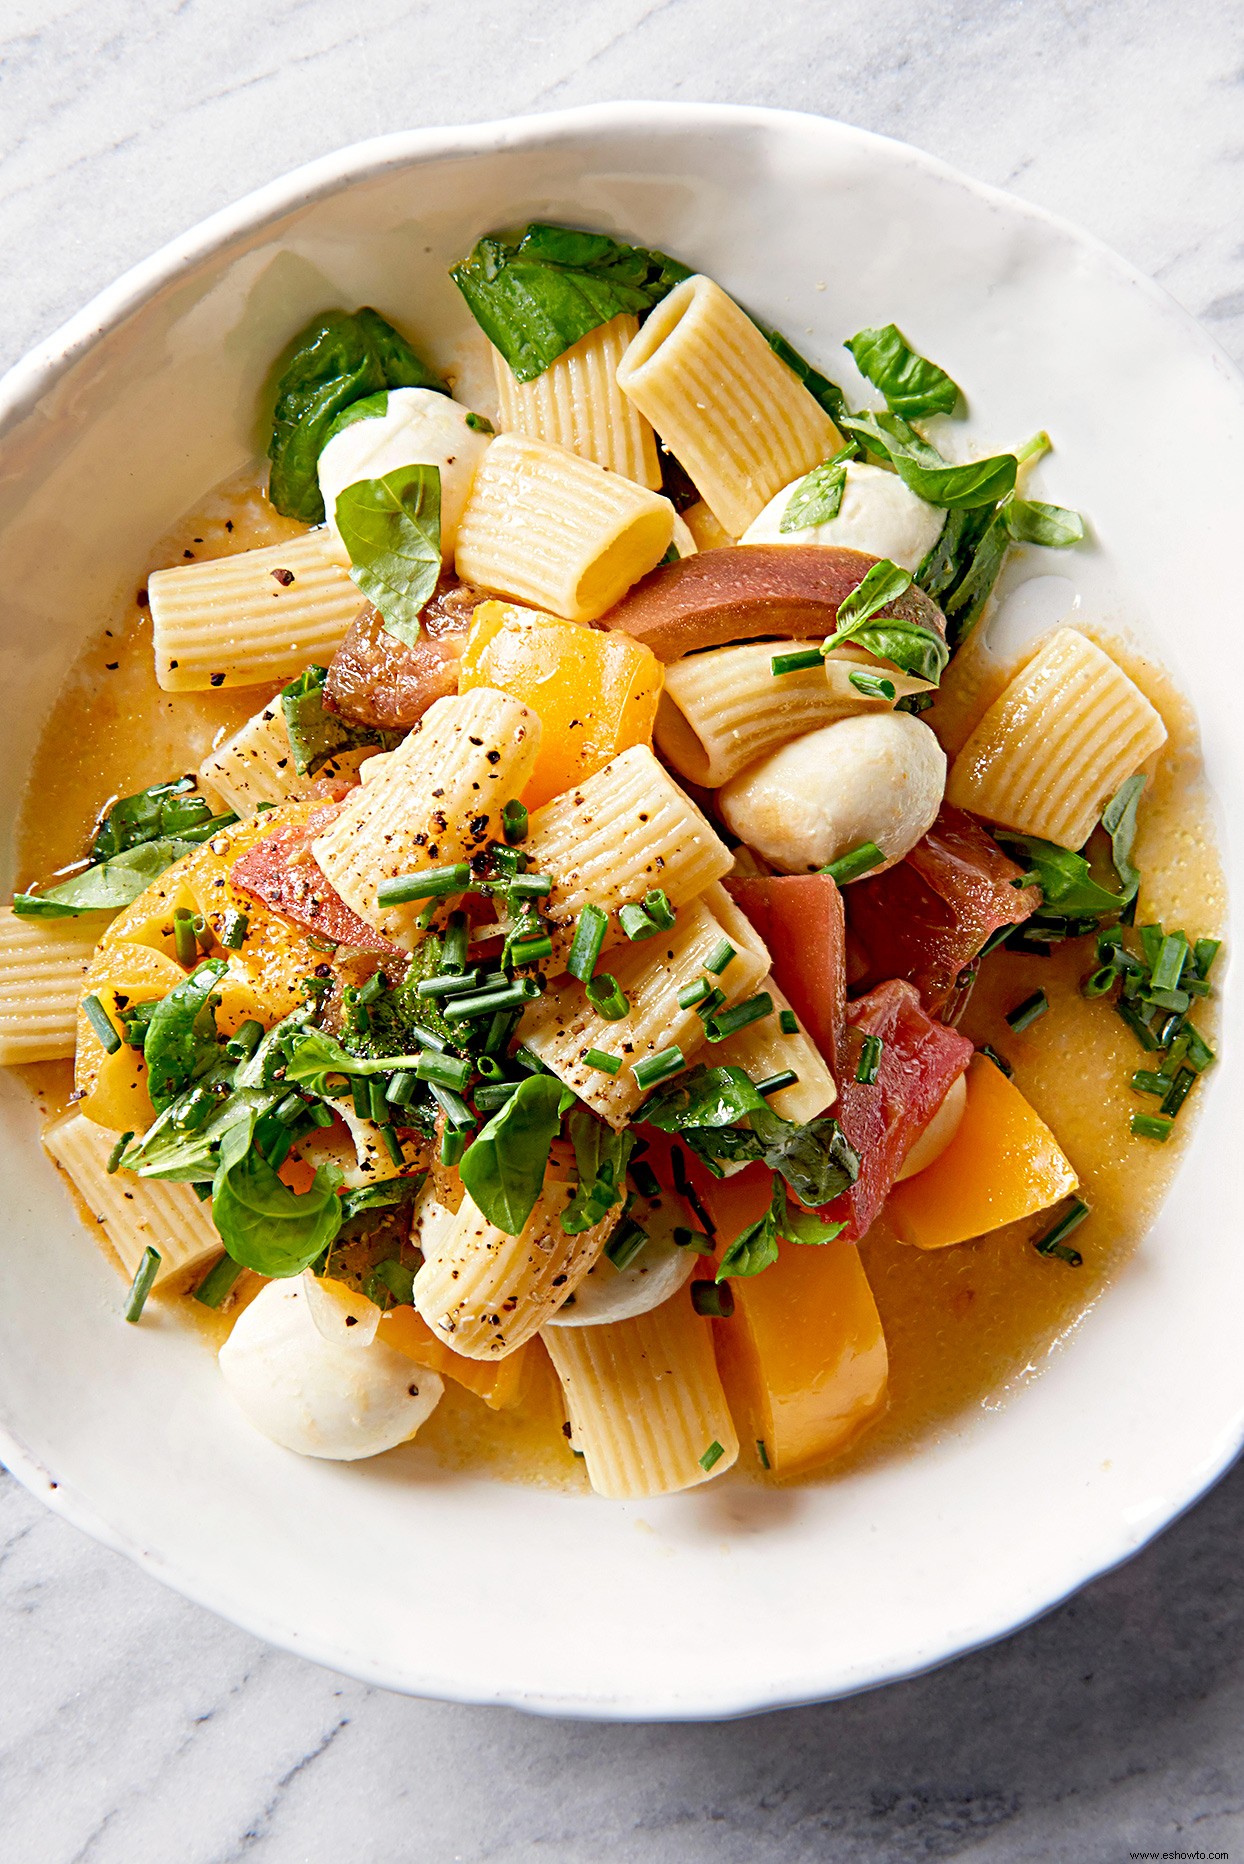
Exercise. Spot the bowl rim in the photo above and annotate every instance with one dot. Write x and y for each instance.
(34, 374)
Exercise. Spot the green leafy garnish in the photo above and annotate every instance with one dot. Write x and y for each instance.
(600, 1157)
(756, 1248)
(817, 499)
(704, 1097)
(1065, 879)
(821, 389)
(263, 1224)
(907, 645)
(503, 1168)
(1119, 821)
(317, 735)
(1029, 521)
(392, 530)
(166, 809)
(536, 292)
(921, 466)
(107, 887)
(911, 384)
(336, 361)
(181, 1040)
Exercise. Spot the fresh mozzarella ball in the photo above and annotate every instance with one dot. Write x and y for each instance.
(316, 1397)
(419, 427)
(937, 1135)
(659, 1270)
(878, 514)
(877, 776)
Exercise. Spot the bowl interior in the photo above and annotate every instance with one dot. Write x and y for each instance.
(735, 1597)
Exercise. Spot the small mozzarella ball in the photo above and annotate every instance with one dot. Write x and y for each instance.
(937, 1135)
(878, 514)
(313, 1396)
(659, 1270)
(419, 427)
(877, 776)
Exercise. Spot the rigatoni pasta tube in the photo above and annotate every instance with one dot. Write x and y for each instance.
(741, 423)
(557, 531)
(561, 1026)
(721, 710)
(764, 1049)
(645, 1402)
(577, 404)
(485, 1292)
(1053, 749)
(261, 615)
(437, 801)
(134, 1213)
(42, 965)
(256, 765)
(623, 831)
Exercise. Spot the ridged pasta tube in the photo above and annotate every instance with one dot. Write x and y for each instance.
(645, 1401)
(134, 1213)
(1052, 750)
(740, 422)
(721, 710)
(256, 765)
(42, 965)
(436, 802)
(577, 404)
(763, 1049)
(485, 1292)
(261, 615)
(561, 1026)
(625, 830)
(556, 531)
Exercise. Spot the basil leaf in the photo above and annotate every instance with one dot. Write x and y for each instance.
(734, 1143)
(947, 562)
(817, 1159)
(821, 389)
(703, 1097)
(370, 408)
(1063, 877)
(317, 735)
(171, 1152)
(387, 1196)
(503, 1170)
(817, 499)
(755, 1248)
(1031, 522)
(921, 466)
(964, 608)
(600, 1157)
(263, 1224)
(392, 530)
(164, 809)
(907, 645)
(312, 1054)
(107, 887)
(884, 583)
(181, 1040)
(337, 360)
(800, 1226)
(1119, 821)
(911, 384)
(536, 292)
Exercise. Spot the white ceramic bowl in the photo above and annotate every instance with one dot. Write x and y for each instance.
(734, 1598)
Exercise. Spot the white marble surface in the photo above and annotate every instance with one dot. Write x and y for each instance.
(134, 1728)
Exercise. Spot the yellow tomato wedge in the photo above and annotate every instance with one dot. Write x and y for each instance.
(1004, 1163)
(499, 1383)
(114, 1087)
(596, 693)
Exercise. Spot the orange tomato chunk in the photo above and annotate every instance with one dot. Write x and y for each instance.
(500, 1383)
(596, 693)
(1004, 1163)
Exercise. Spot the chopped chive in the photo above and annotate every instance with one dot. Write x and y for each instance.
(327, 945)
(711, 1456)
(607, 997)
(1150, 943)
(453, 1145)
(244, 1040)
(1168, 965)
(457, 1113)
(788, 1022)
(873, 686)
(761, 1453)
(427, 1038)
(487, 1002)
(644, 1178)
(658, 1067)
(393, 1145)
(693, 1239)
(1138, 1026)
(531, 950)
(375, 987)
(289, 1111)
(198, 925)
(142, 1283)
(494, 1094)
(184, 942)
(729, 1022)
(800, 662)
(514, 821)
(710, 1005)
(1052, 1242)
(869, 1064)
(722, 954)
(658, 908)
(608, 1064)
(1151, 1126)
(434, 883)
(694, 993)
(589, 936)
(320, 1115)
(1146, 1082)
(712, 1299)
(854, 863)
(457, 938)
(1178, 1092)
(361, 1096)
(1026, 1013)
(114, 1157)
(1200, 1054)
(218, 1281)
(999, 1061)
(500, 1029)
(530, 886)
(100, 1021)
(448, 984)
(774, 1083)
(1203, 954)
(1098, 982)
(636, 923)
(425, 917)
(379, 1100)
(447, 1070)
(233, 929)
(625, 1244)
(401, 1089)
(685, 1189)
(1177, 1000)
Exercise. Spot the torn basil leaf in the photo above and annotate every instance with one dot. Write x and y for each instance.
(110, 885)
(1029, 521)
(816, 1159)
(907, 645)
(536, 292)
(703, 1097)
(756, 1248)
(503, 1169)
(817, 499)
(336, 361)
(822, 390)
(317, 735)
(263, 1224)
(912, 385)
(600, 1157)
(165, 809)
(370, 408)
(392, 530)
(181, 1040)
(922, 468)
(1119, 821)
(884, 583)
(1063, 876)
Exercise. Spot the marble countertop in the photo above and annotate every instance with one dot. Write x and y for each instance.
(134, 1727)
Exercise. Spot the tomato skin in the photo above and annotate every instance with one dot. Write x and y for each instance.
(800, 919)
(280, 871)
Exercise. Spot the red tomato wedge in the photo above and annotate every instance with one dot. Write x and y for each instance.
(927, 917)
(800, 919)
(280, 871)
(920, 1061)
